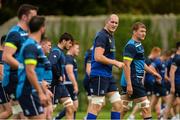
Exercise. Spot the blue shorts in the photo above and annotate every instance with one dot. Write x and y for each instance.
(10, 89)
(177, 90)
(99, 85)
(30, 104)
(160, 90)
(168, 86)
(149, 87)
(59, 91)
(4, 98)
(138, 89)
(86, 84)
(74, 96)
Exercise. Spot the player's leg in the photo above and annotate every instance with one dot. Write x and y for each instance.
(98, 87)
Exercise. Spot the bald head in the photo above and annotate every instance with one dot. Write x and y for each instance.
(111, 23)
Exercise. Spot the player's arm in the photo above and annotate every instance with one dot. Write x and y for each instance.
(30, 60)
(99, 57)
(150, 69)
(172, 77)
(127, 73)
(166, 75)
(1, 71)
(10, 48)
(71, 76)
(88, 68)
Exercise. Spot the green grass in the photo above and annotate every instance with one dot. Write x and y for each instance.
(104, 114)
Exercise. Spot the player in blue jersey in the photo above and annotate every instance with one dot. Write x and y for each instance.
(5, 106)
(159, 90)
(46, 47)
(71, 72)
(16, 36)
(148, 79)
(57, 59)
(30, 92)
(101, 78)
(134, 68)
(175, 85)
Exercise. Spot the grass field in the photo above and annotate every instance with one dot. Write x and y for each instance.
(104, 114)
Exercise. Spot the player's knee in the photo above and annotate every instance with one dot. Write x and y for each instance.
(144, 104)
(70, 110)
(68, 103)
(127, 105)
(98, 100)
(115, 97)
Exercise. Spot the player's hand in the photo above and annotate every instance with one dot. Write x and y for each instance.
(61, 79)
(129, 90)
(158, 78)
(76, 89)
(43, 99)
(119, 64)
(172, 90)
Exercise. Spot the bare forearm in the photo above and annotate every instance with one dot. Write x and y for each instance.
(11, 61)
(105, 60)
(73, 79)
(127, 73)
(31, 75)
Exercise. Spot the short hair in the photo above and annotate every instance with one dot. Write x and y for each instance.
(75, 43)
(3, 38)
(138, 25)
(36, 23)
(66, 36)
(155, 50)
(25, 9)
(167, 53)
(177, 45)
(45, 39)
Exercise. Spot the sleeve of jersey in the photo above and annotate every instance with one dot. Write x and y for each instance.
(68, 60)
(129, 52)
(13, 40)
(100, 41)
(54, 60)
(175, 61)
(30, 54)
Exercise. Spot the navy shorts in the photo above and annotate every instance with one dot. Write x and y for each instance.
(74, 96)
(10, 89)
(4, 98)
(86, 83)
(149, 87)
(177, 90)
(59, 91)
(168, 86)
(160, 90)
(101, 85)
(138, 88)
(30, 104)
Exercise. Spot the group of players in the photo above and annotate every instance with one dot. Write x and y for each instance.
(32, 84)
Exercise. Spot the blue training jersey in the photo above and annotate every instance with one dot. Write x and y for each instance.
(57, 60)
(15, 38)
(176, 62)
(134, 52)
(160, 66)
(70, 60)
(106, 41)
(31, 53)
(48, 70)
(148, 76)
